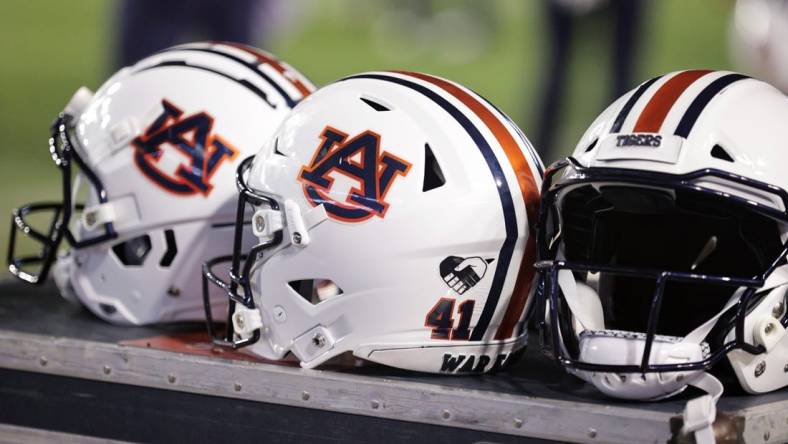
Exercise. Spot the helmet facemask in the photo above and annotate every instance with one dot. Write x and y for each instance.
(63, 217)
(646, 274)
(239, 287)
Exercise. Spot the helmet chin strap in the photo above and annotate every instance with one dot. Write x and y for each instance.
(699, 413)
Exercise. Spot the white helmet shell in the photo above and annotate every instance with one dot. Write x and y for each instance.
(408, 204)
(681, 181)
(164, 138)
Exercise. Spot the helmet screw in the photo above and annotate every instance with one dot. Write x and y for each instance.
(279, 314)
(239, 321)
(90, 218)
(769, 328)
(777, 311)
(679, 378)
(760, 368)
(785, 368)
(259, 222)
(297, 238)
(174, 291)
(318, 340)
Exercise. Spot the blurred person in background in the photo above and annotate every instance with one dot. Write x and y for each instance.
(147, 26)
(759, 40)
(563, 16)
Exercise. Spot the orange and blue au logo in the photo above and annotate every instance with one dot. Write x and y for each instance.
(191, 137)
(359, 158)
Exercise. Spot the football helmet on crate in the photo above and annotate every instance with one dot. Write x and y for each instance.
(394, 217)
(153, 154)
(663, 240)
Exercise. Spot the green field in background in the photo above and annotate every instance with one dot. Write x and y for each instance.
(50, 48)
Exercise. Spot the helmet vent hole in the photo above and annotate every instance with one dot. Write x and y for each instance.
(133, 251)
(592, 145)
(433, 174)
(276, 148)
(172, 249)
(107, 309)
(374, 104)
(315, 291)
(718, 152)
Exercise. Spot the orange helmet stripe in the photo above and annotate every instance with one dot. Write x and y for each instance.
(528, 188)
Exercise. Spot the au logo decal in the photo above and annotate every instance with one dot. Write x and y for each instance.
(359, 158)
(191, 136)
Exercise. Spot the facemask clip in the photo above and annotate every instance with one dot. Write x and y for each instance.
(768, 332)
(246, 321)
(266, 222)
(299, 235)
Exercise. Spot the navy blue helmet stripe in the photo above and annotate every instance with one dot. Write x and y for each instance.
(507, 204)
(524, 140)
(622, 115)
(291, 102)
(182, 64)
(703, 99)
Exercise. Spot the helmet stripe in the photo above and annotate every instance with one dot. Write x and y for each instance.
(530, 194)
(182, 64)
(290, 101)
(652, 116)
(622, 115)
(703, 99)
(278, 66)
(507, 205)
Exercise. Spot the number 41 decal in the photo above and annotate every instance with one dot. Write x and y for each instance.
(440, 318)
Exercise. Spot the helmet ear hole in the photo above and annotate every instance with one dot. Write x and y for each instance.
(718, 152)
(315, 291)
(133, 251)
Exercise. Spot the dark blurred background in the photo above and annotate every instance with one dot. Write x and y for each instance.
(551, 65)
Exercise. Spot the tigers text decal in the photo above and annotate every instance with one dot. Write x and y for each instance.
(359, 159)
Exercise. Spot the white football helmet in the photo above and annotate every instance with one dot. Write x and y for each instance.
(155, 150)
(663, 240)
(394, 214)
